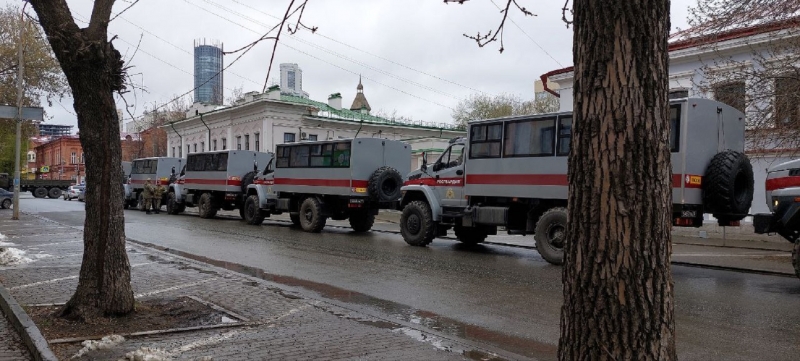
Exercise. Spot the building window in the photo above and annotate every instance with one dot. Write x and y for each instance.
(312, 137)
(195, 147)
(247, 142)
(787, 101)
(224, 144)
(238, 142)
(288, 137)
(83, 159)
(732, 93)
(73, 158)
(214, 144)
(202, 146)
(173, 152)
(257, 148)
(188, 149)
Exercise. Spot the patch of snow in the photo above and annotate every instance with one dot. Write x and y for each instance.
(147, 354)
(105, 343)
(41, 255)
(6, 244)
(228, 320)
(12, 256)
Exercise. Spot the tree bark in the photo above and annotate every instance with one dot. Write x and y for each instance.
(94, 71)
(618, 293)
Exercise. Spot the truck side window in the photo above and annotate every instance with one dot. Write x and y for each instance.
(564, 134)
(283, 157)
(674, 128)
(341, 155)
(485, 140)
(532, 137)
(299, 156)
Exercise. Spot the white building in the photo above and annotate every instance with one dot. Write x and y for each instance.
(261, 121)
(694, 64)
(292, 80)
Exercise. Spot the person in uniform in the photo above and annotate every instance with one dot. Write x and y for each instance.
(147, 194)
(157, 196)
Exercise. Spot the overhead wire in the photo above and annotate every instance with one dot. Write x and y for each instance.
(526, 34)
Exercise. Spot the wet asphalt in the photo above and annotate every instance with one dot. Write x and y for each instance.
(503, 296)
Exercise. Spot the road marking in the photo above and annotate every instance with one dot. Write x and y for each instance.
(730, 255)
(54, 280)
(174, 288)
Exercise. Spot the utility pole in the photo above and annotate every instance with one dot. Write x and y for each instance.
(20, 84)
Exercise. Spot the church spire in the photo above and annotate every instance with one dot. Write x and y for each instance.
(360, 103)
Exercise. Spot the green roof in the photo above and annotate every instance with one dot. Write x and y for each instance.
(349, 115)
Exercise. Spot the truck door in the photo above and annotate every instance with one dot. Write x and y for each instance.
(448, 173)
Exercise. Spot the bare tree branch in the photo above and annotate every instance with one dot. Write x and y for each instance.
(491, 36)
(124, 10)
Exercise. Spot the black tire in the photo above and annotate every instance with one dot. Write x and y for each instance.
(417, 225)
(248, 180)
(205, 206)
(470, 235)
(311, 219)
(54, 193)
(252, 213)
(140, 202)
(551, 230)
(728, 186)
(796, 257)
(6, 204)
(40, 192)
(172, 204)
(361, 221)
(384, 185)
(295, 218)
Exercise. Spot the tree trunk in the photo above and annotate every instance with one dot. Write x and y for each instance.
(618, 297)
(94, 71)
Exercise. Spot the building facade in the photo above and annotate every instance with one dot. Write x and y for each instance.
(208, 77)
(261, 121)
(292, 80)
(697, 66)
(62, 158)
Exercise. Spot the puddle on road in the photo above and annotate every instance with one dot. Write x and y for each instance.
(515, 344)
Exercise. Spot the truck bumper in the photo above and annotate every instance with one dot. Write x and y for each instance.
(785, 219)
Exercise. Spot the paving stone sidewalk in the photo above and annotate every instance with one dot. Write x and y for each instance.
(11, 346)
(281, 324)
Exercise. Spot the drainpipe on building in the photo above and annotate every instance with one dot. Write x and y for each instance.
(209, 129)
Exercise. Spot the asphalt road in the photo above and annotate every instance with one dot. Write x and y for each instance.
(504, 296)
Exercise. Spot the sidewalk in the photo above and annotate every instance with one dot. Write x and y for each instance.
(266, 320)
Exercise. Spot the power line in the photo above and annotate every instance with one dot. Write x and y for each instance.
(335, 54)
(526, 34)
(318, 33)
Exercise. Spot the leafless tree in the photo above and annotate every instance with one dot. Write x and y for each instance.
(766, 83)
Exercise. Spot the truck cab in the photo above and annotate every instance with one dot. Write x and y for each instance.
(512, 173)
(783, 199)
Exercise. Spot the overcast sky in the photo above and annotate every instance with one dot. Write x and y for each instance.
(411, 53)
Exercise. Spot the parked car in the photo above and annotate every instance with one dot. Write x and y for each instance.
(6, 199)
(82, 196)
(73, 192)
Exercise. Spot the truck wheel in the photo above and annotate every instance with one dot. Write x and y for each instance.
(470, 235)
(252, 213)
(295, 218)
(248, 180)
(40, 192)
(361, 221)
(172, 204)
(728, 186)
(416, 224)
(796, 258)
(384, 185)
(311, 219)
(551, 231)
(205, 207)
(54, 193)
(6, 204)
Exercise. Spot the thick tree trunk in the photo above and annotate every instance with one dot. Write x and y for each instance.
(618, 296)
(94, 71)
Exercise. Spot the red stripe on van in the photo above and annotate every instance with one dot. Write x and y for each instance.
(782, 182)
(322, 182)
(436, 182)
(518, 179)
(214, 182)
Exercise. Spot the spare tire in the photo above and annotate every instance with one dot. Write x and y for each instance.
(384, 185)
(248, 180)
(40, 192)
(728, 186)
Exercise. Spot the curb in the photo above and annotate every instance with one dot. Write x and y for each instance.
(30, 334)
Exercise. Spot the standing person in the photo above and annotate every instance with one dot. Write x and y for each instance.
(147, 194)
(157, 196)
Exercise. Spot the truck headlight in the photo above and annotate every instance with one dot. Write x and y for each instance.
(775, 202)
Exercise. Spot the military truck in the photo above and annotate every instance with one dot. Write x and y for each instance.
(783, 199)
(512, 173)
(160, 170)
(39, 188)
(339, 179)
(217, 180)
